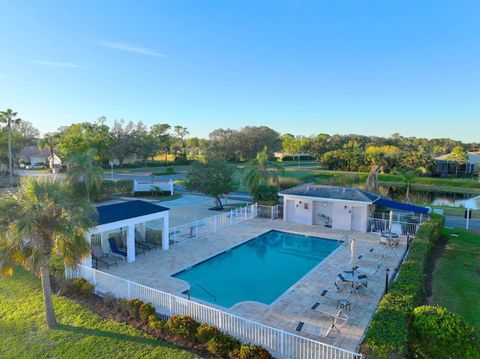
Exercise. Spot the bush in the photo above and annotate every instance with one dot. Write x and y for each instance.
(251, 352)
(56, 266)
(437, 333)
(222, 345)
(107, 189)
(206, 332)
(265, 194)
(170, 170)
(145, 311)
(156, 323)
(81, 286)
(125, 187)
(182, 326)
(388, 332)
(133, 307)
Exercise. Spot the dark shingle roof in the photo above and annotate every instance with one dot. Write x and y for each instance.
(119, 211)
(331, 192)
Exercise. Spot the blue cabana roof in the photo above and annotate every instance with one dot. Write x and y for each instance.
(402, 206)
(120, 211)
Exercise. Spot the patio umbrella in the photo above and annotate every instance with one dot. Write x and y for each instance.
(352, 253)
(390, 221)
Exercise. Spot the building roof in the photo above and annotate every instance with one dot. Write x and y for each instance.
(331, 192)
(120, 211)
(34, 151)
(473, 157)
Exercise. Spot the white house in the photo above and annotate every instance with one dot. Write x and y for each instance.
(336, 207)
(34, 155)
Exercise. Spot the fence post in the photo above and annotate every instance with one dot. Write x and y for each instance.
(170, 305)
(128, 290)
(245, 209)
(282, 343)
(94, 280)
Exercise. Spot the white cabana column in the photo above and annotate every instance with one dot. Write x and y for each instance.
(131, 243)
(165, 232)
(87, 261)
(104, 242)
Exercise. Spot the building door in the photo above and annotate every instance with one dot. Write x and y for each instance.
(357, 216)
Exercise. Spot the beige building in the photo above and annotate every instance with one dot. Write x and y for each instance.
(341, 208)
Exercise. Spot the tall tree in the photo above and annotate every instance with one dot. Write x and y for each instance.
(82, 169)
(260, 172)
(459, 156)
(123, 143)
(43, 218)
(9, 118)
(179, 140)
(212, 178)
(161, 135)
(49, 141)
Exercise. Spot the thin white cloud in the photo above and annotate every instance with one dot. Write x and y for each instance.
(131, 48)
(57, 64)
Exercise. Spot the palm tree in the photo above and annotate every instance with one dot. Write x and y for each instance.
(9, 117)
(49, 141)
(40, 219)
(408, 177)
(260, 171)
(82, 168)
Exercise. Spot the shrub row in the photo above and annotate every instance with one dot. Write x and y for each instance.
(189, 332)
(388, 332)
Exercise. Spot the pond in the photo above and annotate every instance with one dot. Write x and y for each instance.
(437, 198)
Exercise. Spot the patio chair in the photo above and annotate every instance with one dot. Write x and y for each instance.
(99, 257)
(114, 249)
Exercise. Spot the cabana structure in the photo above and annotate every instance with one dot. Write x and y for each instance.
(344, 208)
(131, 216)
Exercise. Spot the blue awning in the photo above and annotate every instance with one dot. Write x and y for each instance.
(402, 206)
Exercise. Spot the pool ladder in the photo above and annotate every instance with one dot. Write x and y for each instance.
(202, 288)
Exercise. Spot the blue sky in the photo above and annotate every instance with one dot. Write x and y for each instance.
(305, 67)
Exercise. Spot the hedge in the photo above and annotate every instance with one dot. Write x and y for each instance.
(388, 333)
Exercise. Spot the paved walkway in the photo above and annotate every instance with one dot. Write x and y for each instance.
(294, 306)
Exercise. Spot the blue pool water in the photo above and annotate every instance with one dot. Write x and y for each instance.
(259, 270)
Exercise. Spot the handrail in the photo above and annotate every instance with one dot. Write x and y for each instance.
(199, 286)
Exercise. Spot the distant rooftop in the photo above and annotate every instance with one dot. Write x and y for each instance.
(473, 157)
(120, 211)
(331, 192)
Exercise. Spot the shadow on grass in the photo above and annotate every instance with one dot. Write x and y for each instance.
(111, 335)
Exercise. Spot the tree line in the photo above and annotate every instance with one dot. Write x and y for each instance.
(128, 141)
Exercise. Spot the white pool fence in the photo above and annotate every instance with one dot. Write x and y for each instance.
(195, 229)
(278, 342)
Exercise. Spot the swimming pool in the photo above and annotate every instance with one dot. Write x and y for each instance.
(258, 270)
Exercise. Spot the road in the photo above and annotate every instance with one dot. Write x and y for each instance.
(459, 222)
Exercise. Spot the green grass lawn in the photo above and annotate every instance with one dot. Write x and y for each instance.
(80, 334)
(456, 278)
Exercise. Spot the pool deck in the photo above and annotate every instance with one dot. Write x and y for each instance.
(154, 269)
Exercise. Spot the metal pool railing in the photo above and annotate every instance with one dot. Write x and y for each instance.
(280, 343)
(377, 225)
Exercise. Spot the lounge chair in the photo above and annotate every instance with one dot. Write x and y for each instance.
(121, 245)
(114, 249)
(336, 322)
(99, 257)
(143, 242)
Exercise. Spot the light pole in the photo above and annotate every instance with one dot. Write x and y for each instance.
(387, 271)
